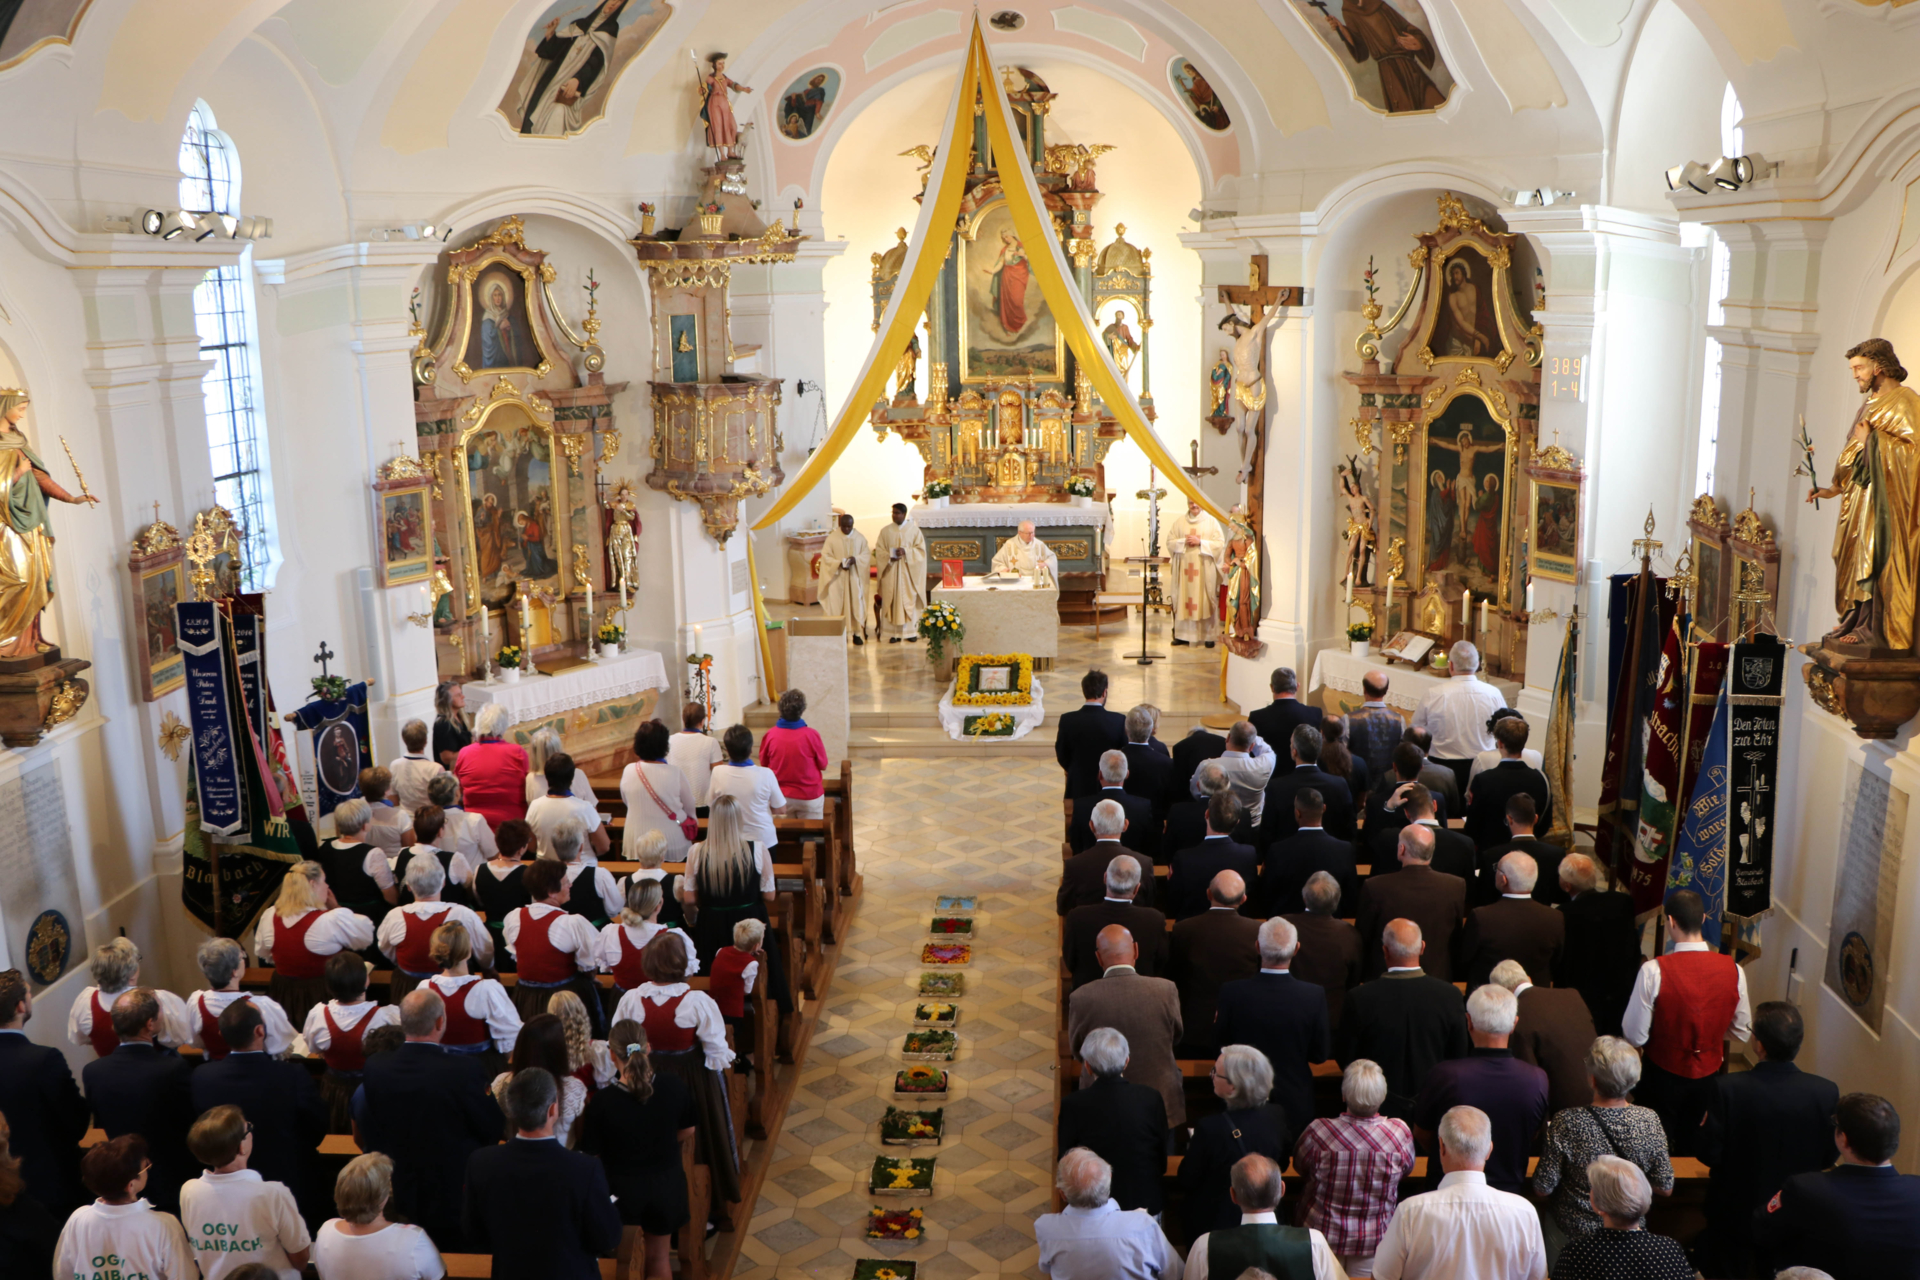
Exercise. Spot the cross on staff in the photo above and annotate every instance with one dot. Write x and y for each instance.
(324, 656)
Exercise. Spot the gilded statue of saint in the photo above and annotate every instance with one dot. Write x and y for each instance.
(1877, 541)
(26, 545)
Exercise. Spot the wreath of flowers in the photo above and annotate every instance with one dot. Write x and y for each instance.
(919, 1080)
(964, 677)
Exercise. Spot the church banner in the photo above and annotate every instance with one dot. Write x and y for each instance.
(1756, 678)
(1631, 691)
(1700, 852)
(337, 733)
(250, 659)
(1660, 775)
(1873, 825)
(1557, 761)
(224, 886)
(216, 751)
(1709, 673)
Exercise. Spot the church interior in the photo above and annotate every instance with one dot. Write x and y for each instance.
(1161, 447)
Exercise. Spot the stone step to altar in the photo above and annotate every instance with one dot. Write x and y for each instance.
(932, 741)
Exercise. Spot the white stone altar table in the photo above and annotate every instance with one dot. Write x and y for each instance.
(1342, 672)
(543, 697)
(1007, 617)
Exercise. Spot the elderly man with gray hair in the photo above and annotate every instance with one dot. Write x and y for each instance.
(1123, 881)
(1622, 1246)
(1456, 713)
(1464, 1229)
(1093, 1238)
(1082, 877)
(1513, 927)
(1123, 1123)
(1144, 1010)
(1248, 763)
(1142, 830)
(1149, 763)
(1187, 820)
(1260, 1244)
(1329, 955)
(1353, 1164)
(1282, 1016)
(1553, 1033)
(1512, 1094)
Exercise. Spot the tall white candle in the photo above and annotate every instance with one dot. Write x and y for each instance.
(1466, 609)
(1386, 615)
(486, 630)
(1483, 617)
(696, 639)
(623, 593)
(589, 613)
(1529, 595)
(1349, 589)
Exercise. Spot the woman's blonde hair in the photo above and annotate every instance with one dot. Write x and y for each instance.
(544, 743)
(632, 1057)
(572, 1012)
(643, 899)
(450, 945)
(299, 891)
(649, 849)
(363, 1188)
(726, 860)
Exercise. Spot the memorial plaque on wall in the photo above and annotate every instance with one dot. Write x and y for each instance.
(39, 895)
(1873, 823)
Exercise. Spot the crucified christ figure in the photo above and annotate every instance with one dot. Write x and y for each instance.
(1466, 489)
(1249, 380)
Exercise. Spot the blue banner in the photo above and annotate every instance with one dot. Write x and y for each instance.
(216, 756)
(250, 662)
(339, 732)
(1700, 852)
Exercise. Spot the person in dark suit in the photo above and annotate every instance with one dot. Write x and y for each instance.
(1386, 812)
(1087, 732)
(280, 1099)
(1277, 820)
(1253, 1123)
(1329, 955)
(533, 1179)
(1553, 1032)
(146, 1088)
(41, 1102)
(1374, 728)
(1282, 1016)
(1512, 1094)
(1080, 934)
(1276, 721)
(1309, 849)
(1437, 778)
(1453, 853)
(1406, 1020)
(1338, 759)
(1145, 1010)
(1123, 1123)
(1763, 1127)
(1513, 928)
(1520, 823)
(427, 1108)
(1187, 818)
(1194, 868)
(1431, 899)
(1854, 1221)
(1207, 951)
(1149, 763)
(1083, 876)
(1142, 833)
(1488, 793)
(1602, 957)
(1199, 746)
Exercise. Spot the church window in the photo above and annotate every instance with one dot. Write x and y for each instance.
(1719, 269)
(223, 312)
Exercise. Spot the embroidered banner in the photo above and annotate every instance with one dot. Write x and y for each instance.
(1873, 823)
(250, 660)
(216, 757)
(1557, 762)
(1700, 851)
(1632, 690)
(223, 886)
(1659, 800)
(1755, 679)
(1709, 673)
(338, 734)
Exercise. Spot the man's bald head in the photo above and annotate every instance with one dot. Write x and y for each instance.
(1026, 530)
(1114, 945)
(1518, 873)
(1374, 685)
(1416, 845)
(1228, 889)
(1403, 944)
(423, 1014)
(1240, 737)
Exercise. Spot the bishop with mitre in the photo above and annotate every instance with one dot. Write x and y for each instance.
(902, 549)
(1020, 554)
(1196, 544)
(843, 561)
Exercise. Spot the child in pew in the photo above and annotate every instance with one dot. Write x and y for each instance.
(734, 971)
(636, 1128)
(337, 1032)
(499, 888)
(587, 1059)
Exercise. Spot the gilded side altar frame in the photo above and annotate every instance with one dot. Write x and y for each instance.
(1467, 383)
(539, 414)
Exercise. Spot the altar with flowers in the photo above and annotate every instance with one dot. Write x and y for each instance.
(992, 697)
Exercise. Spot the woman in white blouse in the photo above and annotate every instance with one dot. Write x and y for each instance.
(306, 926)
(361, 1244)
(544, 744)
(694, 753)
(624, 941)
(141, 1240)
(657, 795)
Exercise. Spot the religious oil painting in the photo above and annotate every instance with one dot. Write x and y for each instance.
(1006, 328)
(1466, 501)
(406, 549)
(160, 590)
(1197, 93)
(500, 333)
(1710, 562)
(1465, 328)
(1387, 49)
(337, 756)
(1556, 531)
(804, 106)
(510, 495)
(27, 26)
(573, 55)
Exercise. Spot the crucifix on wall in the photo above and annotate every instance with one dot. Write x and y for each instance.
(1249, 384)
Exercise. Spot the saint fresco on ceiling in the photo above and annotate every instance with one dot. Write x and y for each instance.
(25, 27)
(804, 106)
(573, 55)
(1198, 94)
(1386, 48)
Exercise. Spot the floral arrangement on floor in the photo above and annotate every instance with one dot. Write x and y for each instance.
(891, 1224)
(936, 1014)
(943, 984)
(941, 953)
(937, 489)
(955, 902)
(909, 1128)
(930, 1046)
(966, 680)
(904, 1177)
(612, 633)
(1080, 486)
(951, 927)
(881, 1269)
(509, 655)
(940, 625)
(994, 724)
(920, 1082)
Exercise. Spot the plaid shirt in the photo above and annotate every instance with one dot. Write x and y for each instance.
(1353, 1167)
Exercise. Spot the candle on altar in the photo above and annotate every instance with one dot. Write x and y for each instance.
(486, 630)
(1483, 617)
(589, 613)
(1466, 609)
(623, 594)
(1349, 589)
(1386, 615)
(526, 624)
(1529, 595)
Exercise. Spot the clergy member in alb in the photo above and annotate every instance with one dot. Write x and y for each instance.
(1019, 554)
(843, 559)
(1196, 544)
(903, 577)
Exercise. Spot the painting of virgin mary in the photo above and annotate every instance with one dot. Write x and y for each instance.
(1007, 329)
(501, 335)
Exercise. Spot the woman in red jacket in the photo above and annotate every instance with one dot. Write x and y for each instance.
(491, 770)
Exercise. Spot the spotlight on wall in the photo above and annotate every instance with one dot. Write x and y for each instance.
(1728, 173)
(178, 223)
(1692, 174)
(1538, 197)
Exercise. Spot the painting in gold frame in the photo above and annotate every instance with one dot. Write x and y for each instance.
(1467, 461)
(159, 583)
(512, 485)
(1554, 530)
(500, 335)
(1007, 330)
(405, 532)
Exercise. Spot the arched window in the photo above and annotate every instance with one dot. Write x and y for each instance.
(1719, 269)
(223, 312)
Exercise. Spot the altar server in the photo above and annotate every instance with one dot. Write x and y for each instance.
(1195, 542)
(903, 577)
(844, 559)
(1019, 554)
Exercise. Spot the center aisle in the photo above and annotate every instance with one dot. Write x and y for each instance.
(989, 828)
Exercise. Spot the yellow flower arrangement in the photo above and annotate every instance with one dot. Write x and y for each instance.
(1019, 696)
(903, 1174)
(991, 725)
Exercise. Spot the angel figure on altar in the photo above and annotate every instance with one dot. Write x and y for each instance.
(1023, 553)
(843, 560)
(902, 549)
(1197, 546)
(716, 108)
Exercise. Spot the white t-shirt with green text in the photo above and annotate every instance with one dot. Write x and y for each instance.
(135, 1241)
(232, 1219)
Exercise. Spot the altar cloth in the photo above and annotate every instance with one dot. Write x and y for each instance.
(542, 697)
(1006, 617)
(1025, 719)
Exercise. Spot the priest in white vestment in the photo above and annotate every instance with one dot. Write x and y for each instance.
(902, 550)
(1196, 545)
(1019, 554)
(843, 560)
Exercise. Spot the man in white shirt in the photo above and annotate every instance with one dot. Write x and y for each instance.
(1093, 1238)
(232, 1215)
(413, 771)
(549, 811)
(1456, 713)
(1259, 1239)
(1248, 763)
(1465, 1230)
